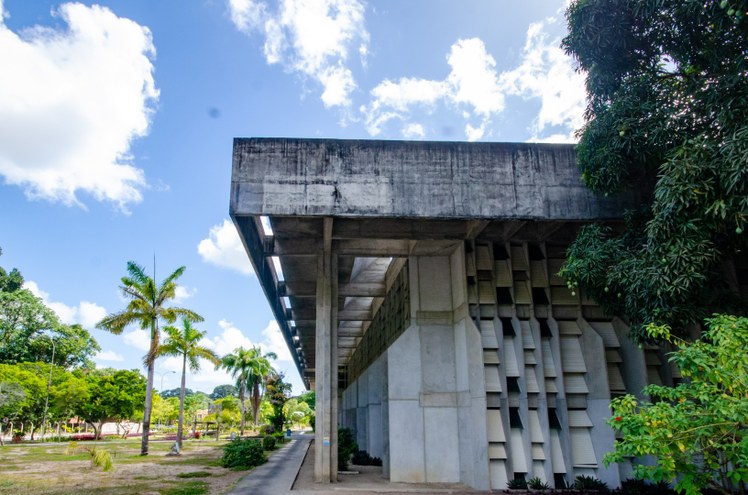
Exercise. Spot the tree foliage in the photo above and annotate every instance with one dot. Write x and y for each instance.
(27, 325)
(667, 120)
(222, 391)
(696, 431)
(113, 395)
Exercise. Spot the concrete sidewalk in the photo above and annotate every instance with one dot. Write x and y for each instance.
(291, 472)
(276, 476)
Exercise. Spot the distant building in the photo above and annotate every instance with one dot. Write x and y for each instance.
(416, 286)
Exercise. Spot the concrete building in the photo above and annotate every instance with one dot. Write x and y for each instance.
(416, 286)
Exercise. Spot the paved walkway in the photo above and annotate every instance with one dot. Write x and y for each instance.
(276, 476)
(290, 471)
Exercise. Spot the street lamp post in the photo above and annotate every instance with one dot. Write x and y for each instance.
(49, 385)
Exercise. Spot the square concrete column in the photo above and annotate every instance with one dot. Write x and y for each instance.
(326, 358)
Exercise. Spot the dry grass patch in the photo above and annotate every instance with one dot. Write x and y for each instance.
(47, 470)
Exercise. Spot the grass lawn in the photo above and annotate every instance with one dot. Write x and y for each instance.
(48, 469)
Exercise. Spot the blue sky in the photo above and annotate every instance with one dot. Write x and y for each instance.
(117, 120)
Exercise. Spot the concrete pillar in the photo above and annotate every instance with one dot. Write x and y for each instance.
(326, 372)
(435, 382)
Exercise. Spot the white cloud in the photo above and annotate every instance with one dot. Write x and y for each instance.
(224, 248)
(229, 339)
(89, 314)
(74, 102)
(274, 342)
(310, 37)
(182, 293)
(473, 78)
(139, 339)
(413, 131)
(86, 314)
(108, 356)
(476, 91)
(547, 73)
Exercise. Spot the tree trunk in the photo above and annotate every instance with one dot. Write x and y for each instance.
(242, 394)
(147, 409)
(96, 431)
(256, 399)
(181, 401)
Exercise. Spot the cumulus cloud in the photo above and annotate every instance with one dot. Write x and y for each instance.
(229, 339)
(274, 342)
(86, 314)
(546, 73)
(312, 38)
(471, 87)
(71, 103)
(108, 356)
(182, 293)
(224, 248)
(139, 339)
(476, 91)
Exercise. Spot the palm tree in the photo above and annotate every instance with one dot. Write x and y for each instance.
(185, 342)
(146, 306)
(260, 371)
(250, 368)
(238, 364)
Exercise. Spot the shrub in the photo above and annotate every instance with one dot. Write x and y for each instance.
(245, 453)
(537, 484)
(362, 458)
(517, 484)
(346, 447)
(582, 482)
(268, 443)
(280, 438)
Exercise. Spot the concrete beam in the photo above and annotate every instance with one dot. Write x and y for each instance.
(402, 179)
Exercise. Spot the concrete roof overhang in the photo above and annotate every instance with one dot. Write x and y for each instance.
(375, 201)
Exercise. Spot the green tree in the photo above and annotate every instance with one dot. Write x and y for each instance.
(667, 122)
(113, 395)
(297, 411)
(146, 307)
(26, 327)
(250, 368)
(696, 431)
(185, 343)
(193, 403)
(222, 391)
(277, 394)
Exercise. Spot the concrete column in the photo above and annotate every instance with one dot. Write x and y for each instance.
(435, 382)
(326, 372)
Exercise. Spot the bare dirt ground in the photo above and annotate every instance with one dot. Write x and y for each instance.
(49, 470)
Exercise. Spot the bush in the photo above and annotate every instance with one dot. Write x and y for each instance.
(268, 443)
(346, 447)
(537, 484)
(517, 484)
(244, 453)
(582, 482)
(362, 458)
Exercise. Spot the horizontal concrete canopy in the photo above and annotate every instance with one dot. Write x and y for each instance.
(392, 199)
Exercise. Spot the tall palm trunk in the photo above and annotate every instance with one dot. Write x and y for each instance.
(242, 395)
(256, 400)
(181, 402)
(147, 409)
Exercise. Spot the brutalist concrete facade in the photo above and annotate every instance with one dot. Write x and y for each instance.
(419, 296)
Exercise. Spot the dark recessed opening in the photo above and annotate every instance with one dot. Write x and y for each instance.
(512, 384)
(535, 253)
(503, 295)
(514, 419)
(539, 296)
(553, 421)
(507, 328)
(545, 330)
(500, 252)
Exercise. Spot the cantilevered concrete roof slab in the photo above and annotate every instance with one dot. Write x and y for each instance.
(390, 199)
